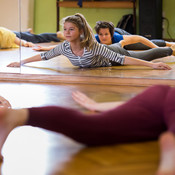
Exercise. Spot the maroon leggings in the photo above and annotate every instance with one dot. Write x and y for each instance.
(142, 118)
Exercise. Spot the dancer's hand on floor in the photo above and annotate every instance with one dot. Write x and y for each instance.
(161, 66)
(84, 101)
(29, 44)
(92, 105)
(14, 64)
(41, 48)
(38, 48)
(4, 102)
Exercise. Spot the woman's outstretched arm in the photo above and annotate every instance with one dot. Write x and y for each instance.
(27, 60)
(92, 105)
(132, 39)
(23, 43)
(138, 62)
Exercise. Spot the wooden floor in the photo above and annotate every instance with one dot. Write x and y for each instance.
(36, 151)
(59, 69)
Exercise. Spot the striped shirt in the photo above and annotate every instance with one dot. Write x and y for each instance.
(98, 56)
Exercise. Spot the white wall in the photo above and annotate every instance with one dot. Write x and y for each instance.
(27, 14)
(9, 14)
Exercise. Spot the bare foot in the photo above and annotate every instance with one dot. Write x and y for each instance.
(3, 131)
(167, 148)
(60, 35)
(10, 119)
(173, 48)
(30, 30)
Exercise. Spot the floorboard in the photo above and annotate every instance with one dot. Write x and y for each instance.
(58, 67)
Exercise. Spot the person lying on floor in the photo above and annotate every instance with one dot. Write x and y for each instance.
(147, 116)
(40, 38)
(81, 48)
(9, 40)
(107, 34)
(13, 39)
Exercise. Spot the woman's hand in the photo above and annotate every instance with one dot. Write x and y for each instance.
(38, 48)
(84, 101)
(161, 66)
(4, 103)
(92, 105)
(14, 64)
(41, 48)
(28, 60)
(29, 44)
(139, 62)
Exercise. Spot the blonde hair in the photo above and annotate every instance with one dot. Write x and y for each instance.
(88, 39)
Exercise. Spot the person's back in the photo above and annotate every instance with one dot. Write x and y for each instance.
(7, 38)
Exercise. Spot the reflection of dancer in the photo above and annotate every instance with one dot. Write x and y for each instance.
(40, 38)
(9, 40)
(108, 34)
(145, 117)
(82, 50)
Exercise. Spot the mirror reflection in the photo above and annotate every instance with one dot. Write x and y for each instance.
(61, 65)
(9, 43)
(42, 39)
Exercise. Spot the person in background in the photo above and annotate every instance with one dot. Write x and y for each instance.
(116, 42)
(40, 38)
(81, 48)
(13, 39)
(107, 34)
(9, 40)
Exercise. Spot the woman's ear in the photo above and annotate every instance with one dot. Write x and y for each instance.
(81, 35)
(81, 32)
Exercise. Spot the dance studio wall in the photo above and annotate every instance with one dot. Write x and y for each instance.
(45, 21)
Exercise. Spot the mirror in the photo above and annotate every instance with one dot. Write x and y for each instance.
(61, 65)
(9, 12)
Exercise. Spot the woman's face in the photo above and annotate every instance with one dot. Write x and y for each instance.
(105, 36)
(71, 32)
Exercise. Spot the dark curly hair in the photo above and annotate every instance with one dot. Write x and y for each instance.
(104, 25)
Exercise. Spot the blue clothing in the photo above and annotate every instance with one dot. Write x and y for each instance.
(115, 39)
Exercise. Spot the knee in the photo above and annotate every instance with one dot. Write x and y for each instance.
(159, 88)
(156, 92)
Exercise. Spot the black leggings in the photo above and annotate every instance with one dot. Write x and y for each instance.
(142, 118)
(147, 55)
(140, 46)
